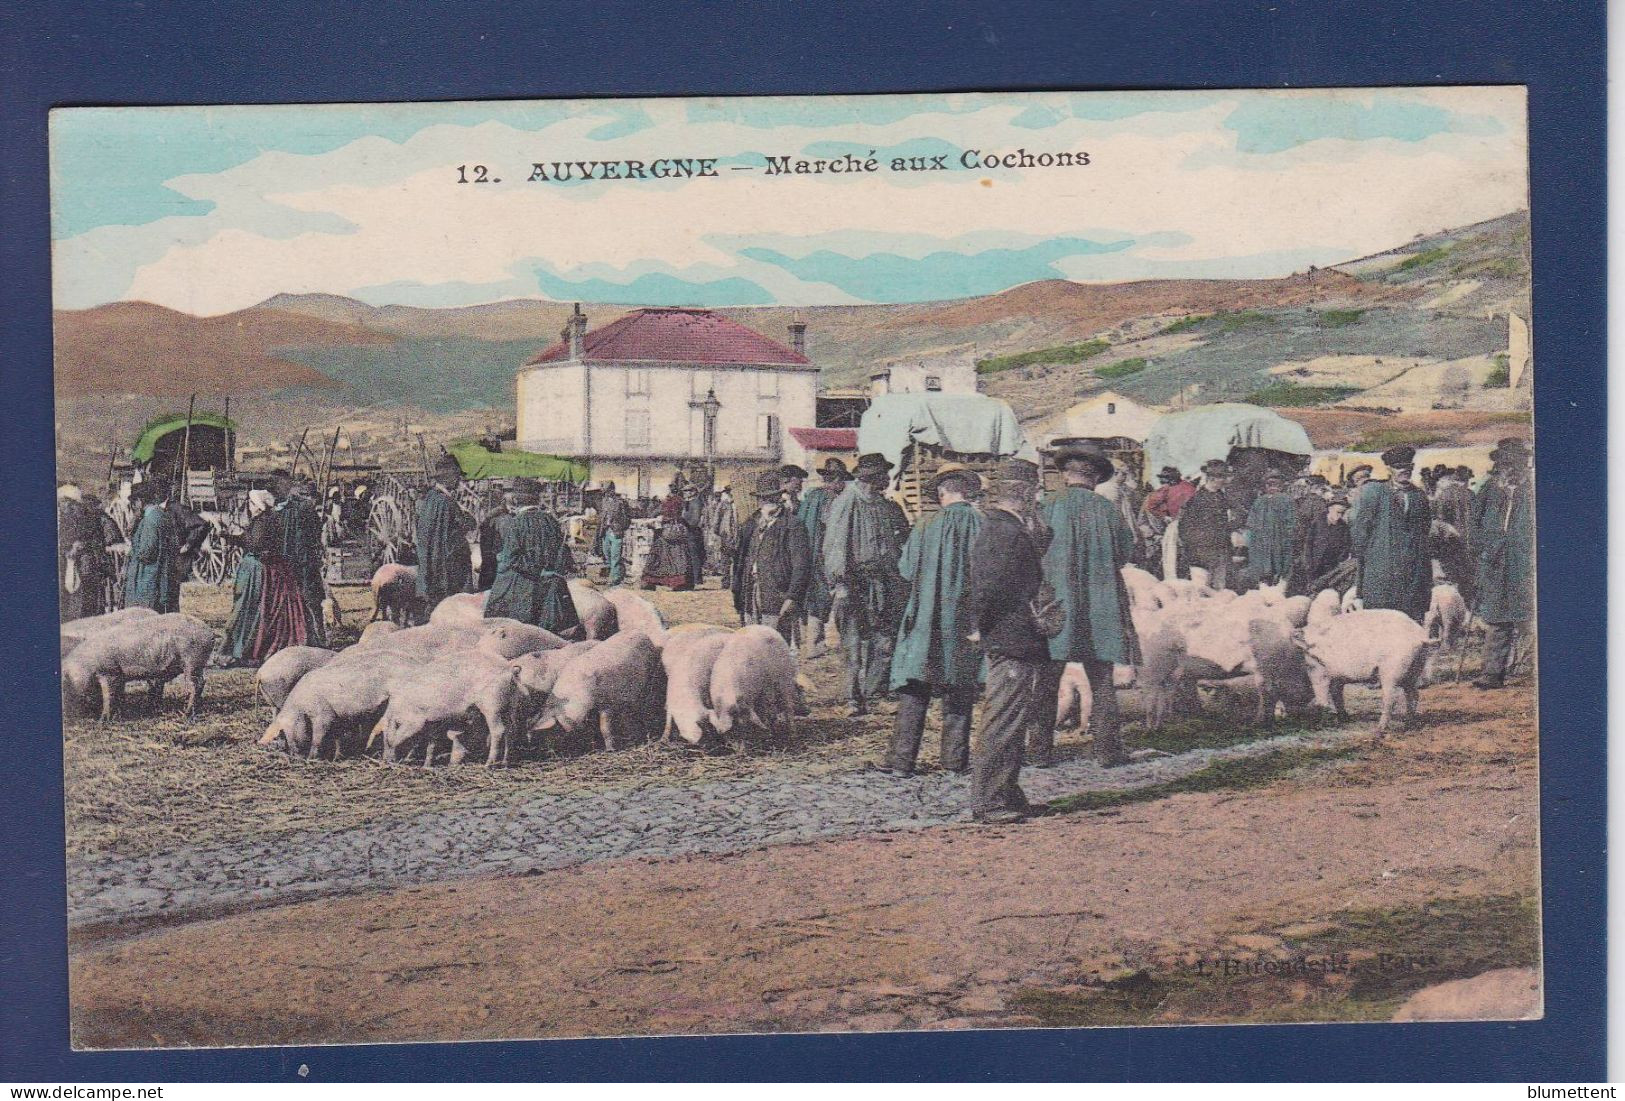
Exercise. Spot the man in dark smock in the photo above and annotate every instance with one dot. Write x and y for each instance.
(1206, 524)
(444, 561)
(533, 566)
(152, 575)
(1272, 525)
(775, 563)
(1504, 540)
(813, 512)
(82, 563)
(1089, 546)
(1006, 574)
(861, 547)
(1324, 545)
(1389, 528)
(932, 655)
(614, 521)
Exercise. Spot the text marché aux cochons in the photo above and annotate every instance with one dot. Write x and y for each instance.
(666, 168)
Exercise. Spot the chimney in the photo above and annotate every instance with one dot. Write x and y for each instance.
(578, 332)
(798, 337)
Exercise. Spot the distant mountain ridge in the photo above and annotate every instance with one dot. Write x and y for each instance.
(1427, 298)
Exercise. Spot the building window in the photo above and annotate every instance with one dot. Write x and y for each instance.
(637, 382)
(933, 382)
(767, 384)
(637, 428)
(767, 431)
(1111, 407)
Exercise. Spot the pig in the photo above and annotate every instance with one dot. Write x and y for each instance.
(1160, 675)
(154, 649)
(395, 596)
(509, 638)
(446, 698)
(1075, 700)
(459, 610)
(619, 681)
(342, 697)
(76, 631)
(688, 659)
(539, 671)
(1362, 646)
(1325, 605)
(1446, 623)
(634, 613)
(599, 618)
(283, 669)
(1282, 674)
(1295, 610)
(376, 630)
(753, 685)
(1142, 587)
(425, 642)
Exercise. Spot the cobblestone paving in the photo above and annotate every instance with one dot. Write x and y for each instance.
(558, 830)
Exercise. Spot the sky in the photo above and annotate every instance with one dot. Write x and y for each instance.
(214, 209)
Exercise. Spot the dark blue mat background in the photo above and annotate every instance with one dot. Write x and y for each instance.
(67, 53)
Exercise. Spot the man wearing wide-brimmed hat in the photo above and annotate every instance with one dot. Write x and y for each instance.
(862, 543)
(813, 513)
(773, 563)
(1389, 526)
(533, 566)
(932, 656)
(1504, 541)
(1089, 546)
(444, 562)
(1208, 523)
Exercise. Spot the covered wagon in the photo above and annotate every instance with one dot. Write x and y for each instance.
(918, 433)
(1253, 440)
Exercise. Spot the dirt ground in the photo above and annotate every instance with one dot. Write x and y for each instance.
(1330, 894)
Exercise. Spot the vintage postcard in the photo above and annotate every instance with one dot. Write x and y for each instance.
(648, 567)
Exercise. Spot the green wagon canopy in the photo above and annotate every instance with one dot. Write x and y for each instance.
(159, 427)
(479, 464)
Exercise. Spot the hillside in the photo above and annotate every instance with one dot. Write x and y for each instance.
(1418, 328)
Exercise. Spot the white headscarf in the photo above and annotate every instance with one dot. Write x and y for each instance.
(259, 500)
(69, 493)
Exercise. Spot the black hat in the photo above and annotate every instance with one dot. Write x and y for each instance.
(1018, 470)
(1399, 456)
(767, 484)
(1511, 449)
(1169, 474)
(1215, 466)
(834, 469)
(972, 480)
(791, 470)
(1090, 454)
(873, 463)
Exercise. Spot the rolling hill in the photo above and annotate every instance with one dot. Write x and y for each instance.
(1415, 328)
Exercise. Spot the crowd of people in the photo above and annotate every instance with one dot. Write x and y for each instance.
(992, 594)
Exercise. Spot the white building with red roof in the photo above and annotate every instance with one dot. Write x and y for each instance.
(663, 386)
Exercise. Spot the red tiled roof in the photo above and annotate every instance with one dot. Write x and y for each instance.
(826, 439)
(678, 336)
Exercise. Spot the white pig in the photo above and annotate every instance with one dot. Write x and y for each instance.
(395, 596)
(1362, 646)
(282, 670)
(634, 613)
(1325, 605)
(509, 638)
(76, 631)
(688, 659)
(459, 610)
(598, 616)
(446, 698)
(340, 698)
(753, 684)
(619, 681)
(151, 649)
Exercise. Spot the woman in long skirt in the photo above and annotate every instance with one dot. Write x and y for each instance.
(269, 612)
